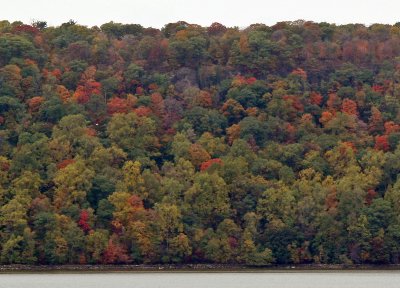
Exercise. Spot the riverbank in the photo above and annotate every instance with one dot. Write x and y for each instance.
(190, 268)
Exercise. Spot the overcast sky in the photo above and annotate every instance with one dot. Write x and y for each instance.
(157, 13)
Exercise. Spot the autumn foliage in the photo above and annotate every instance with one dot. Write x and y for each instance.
(84, 92)
(64, 163)
(316, 98)
(34, 103)
(207, 164)
(117, 105)
(124, 144)
(115, 254)
(381, 143)
(83, 221)
(349, 107)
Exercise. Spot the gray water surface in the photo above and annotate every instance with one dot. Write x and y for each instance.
(365, 279)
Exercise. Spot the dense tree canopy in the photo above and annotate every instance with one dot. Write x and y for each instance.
(189, 144)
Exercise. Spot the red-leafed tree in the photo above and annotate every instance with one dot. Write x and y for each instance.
(251, 80)
(139, 90)
(207, 164)
(115, 254)
(382, 143)
(371, 195)
(378, 88)
(24, 28)
(316, 98)
(83, 221)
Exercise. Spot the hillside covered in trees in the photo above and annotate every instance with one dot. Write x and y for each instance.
(190, 144)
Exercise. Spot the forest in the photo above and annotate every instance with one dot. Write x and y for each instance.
(256, 146)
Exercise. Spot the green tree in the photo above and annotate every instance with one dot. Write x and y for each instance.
(207, 200)
(134, 134)
(72, 184)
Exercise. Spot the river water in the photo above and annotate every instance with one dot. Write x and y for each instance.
(364, 279)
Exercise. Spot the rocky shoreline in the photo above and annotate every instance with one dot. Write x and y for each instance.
(188, 268)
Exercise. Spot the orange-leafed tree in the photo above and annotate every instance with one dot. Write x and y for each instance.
(233, 133)
(333, 102)
(117, 105)
(233, 110)
(326, 116)
(83, 92)
(203, 99)
(391, 127)
(349, 107)
(88, 86)
(143, 111)
(34, 103)
(63, 93)
(157, 105)
(375, 121)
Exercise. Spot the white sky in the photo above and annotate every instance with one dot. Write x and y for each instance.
(157, 13)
